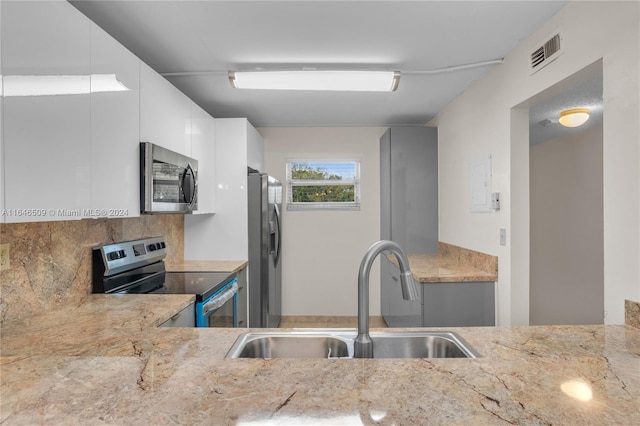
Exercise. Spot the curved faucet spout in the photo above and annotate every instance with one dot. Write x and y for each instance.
(363, 346)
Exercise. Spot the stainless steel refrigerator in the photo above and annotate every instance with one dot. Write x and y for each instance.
(265, 250)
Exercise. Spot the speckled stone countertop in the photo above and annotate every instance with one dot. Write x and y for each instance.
(105, 362)
(434, 268)
(207, 266)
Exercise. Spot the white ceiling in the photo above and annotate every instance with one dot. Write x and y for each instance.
(583, 90)
(205, 39)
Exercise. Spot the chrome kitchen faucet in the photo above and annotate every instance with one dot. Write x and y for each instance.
(363, 346)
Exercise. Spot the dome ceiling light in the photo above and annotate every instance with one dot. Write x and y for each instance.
(574, 117)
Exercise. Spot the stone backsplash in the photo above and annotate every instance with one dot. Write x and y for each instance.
(475, 259)
(632, 313)
(50, 262)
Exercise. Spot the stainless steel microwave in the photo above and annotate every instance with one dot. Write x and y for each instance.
(168, 181)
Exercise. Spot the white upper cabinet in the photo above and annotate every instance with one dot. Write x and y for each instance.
(75, 106)
(115, 128)
(2, 216)
(170, 119)
(238, 146)
(165, 112)
(255, 148)
(47, 137)
(203, 149)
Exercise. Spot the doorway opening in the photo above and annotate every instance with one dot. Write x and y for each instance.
(566, 226)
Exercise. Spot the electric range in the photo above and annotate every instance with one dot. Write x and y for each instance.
(138, 267)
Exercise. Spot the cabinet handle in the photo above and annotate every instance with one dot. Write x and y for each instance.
(395, 279)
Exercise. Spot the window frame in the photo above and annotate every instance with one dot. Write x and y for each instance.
(336, 206)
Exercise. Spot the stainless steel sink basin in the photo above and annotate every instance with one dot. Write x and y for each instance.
(320, 343)
(259, 345)
(420, 345)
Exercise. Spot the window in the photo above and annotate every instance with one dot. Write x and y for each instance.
(331, 185)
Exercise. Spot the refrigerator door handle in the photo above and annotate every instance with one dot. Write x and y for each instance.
(278, 236)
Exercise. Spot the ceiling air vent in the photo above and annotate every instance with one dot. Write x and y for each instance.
(546, 52)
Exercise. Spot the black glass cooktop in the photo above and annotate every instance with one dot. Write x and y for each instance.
(202, 284)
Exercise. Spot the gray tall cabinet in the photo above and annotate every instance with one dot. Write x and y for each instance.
(409, 210)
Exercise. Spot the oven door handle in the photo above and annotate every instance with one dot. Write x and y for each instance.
(219, 300)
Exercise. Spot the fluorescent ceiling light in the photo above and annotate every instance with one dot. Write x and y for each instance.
(359, 81)
(49, 85)
(574, 117)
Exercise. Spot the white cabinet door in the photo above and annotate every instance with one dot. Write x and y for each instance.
(255, 148)
(203, 149)
(47, 139)
(224, 235)
(115, 129)
(2, 216)
(165, 112)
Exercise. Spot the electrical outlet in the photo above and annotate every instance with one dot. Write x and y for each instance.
(4, 257)
(503, 236)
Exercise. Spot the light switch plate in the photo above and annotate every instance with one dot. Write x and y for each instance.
(503, 236)
(495, 200)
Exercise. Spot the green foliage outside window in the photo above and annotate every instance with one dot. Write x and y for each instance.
(331, 185)
(302, 171)
(323, 194)
(319, 193)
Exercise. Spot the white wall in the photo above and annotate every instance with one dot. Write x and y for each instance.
(322, 250)
(483, 121)
(567, 259)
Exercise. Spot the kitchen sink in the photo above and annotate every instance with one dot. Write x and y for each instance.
(420, 345)
(285, 345)
(327, 343)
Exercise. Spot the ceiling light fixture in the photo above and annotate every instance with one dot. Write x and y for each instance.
(358, 81)
(574, 117)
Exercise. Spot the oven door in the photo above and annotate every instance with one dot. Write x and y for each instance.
(220, 309)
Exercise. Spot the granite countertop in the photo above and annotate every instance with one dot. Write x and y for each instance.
(435, 268)
(105, 362)
(207, 266)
